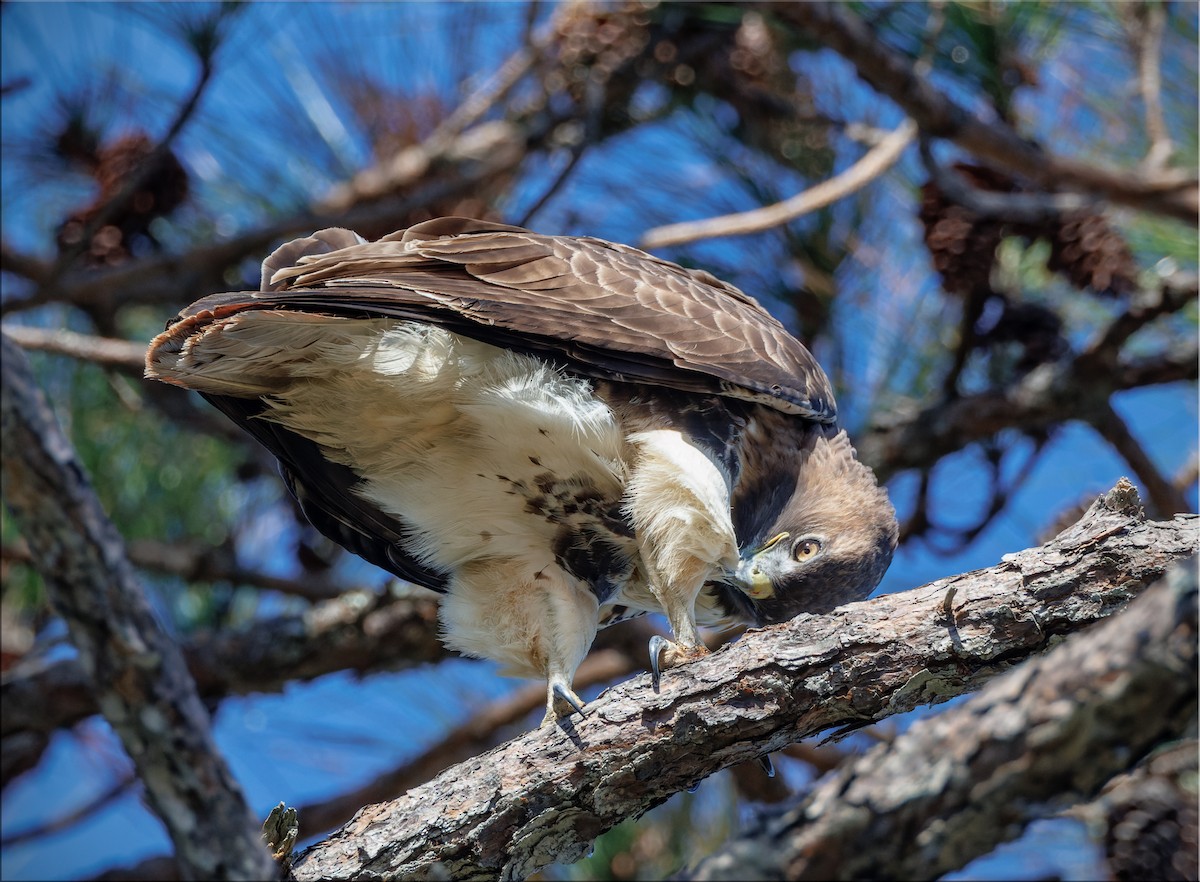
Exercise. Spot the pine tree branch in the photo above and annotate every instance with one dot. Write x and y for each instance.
(137, 673)
(1049, 395)
(940, 116)
(870, 166)
(955, 786)
(546, 795)
(355, 632)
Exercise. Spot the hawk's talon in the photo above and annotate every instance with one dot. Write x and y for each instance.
(675, 654)
(657, 645)
(562, 695)
(767, 765)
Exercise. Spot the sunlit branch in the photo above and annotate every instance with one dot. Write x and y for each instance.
(546, 795)
(105, 351)
(875, 162)
(1057, 727)
(1151, 19)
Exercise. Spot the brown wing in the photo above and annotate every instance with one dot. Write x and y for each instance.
(604, 310)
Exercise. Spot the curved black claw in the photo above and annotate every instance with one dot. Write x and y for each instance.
(657, 645)
(768, 766)
(566, 695)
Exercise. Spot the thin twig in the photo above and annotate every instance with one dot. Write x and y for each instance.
(555, 185)
(1151, 18)
(1188, 473)
(105, 351)
(1030, 208)
(199, 562)
(1164, 497)
(1176, 292)
(874, 163)
(595, 106)
(406, 167)
(79, 813)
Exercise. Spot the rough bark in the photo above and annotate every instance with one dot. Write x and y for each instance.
(137, 673)
(1052, 731)
(546, 795)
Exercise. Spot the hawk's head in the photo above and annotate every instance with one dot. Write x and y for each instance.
(813, 538)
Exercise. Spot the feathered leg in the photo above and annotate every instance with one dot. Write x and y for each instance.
(678, 500)
(534, 621)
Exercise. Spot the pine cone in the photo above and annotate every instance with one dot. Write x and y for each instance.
(1152, 819)
(596, 42)
(160, 193)
(1091, 254)
(1083, 245)
(962, 244)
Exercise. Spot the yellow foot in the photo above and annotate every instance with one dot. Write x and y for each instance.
(665, 654)
(561, 702)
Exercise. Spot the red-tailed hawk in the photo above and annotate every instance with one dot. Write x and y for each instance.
(554, 432)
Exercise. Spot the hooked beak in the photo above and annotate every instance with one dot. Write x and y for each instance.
(749, 577)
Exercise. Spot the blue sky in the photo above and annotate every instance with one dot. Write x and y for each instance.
(268, 138)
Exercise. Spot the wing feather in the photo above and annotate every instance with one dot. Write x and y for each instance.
(606, 310)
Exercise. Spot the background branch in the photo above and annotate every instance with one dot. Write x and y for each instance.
(940, 116)
(1052, 393)
(127, 354)
(357, 632)
(875, 162)
(1151, 18)
(137, 674)
(1165, 498)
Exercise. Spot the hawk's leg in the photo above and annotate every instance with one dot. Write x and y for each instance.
(535, 620)
(678, 499)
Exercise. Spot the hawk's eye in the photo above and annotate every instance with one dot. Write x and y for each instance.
(806, 549)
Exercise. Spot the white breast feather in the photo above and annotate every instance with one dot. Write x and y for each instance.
(428, 410)
(421, 410)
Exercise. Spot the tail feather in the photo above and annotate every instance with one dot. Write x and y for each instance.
(258, 352)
